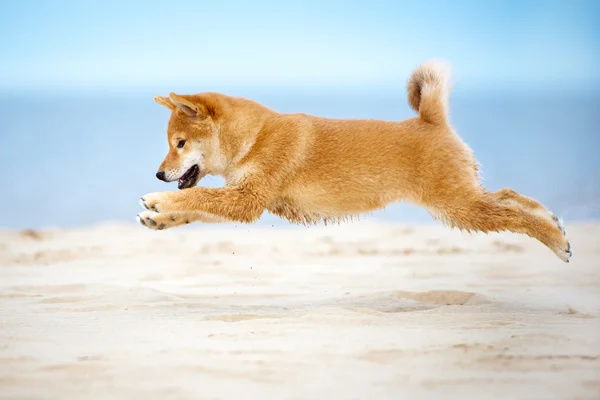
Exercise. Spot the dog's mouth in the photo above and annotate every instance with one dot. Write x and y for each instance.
(190, 178)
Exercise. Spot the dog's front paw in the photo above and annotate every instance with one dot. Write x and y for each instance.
(156, 221)
(157, 202)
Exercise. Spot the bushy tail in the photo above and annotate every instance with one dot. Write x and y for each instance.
(428, 90)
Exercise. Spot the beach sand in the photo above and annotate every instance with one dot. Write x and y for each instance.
(362, 310)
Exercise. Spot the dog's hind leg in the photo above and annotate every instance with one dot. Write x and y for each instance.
(483, 211)
(509, 196)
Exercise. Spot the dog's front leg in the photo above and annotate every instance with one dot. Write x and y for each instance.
(232, 203)
(160, 221)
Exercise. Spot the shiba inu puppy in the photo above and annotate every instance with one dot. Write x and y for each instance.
(308, 169)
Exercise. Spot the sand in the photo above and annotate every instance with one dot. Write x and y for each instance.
(358, 311)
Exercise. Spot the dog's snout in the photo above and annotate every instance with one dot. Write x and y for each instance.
(161, 175)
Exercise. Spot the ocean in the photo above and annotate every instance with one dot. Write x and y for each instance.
(74, 158)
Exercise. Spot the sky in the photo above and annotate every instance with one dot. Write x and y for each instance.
(90, 44)
(77, 78)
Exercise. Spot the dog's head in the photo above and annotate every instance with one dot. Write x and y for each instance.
(208, 133)
(193, 138)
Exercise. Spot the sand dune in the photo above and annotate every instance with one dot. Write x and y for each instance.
(357, 311)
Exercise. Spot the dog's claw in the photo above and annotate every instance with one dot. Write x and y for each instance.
(151, 221)
(559, 223)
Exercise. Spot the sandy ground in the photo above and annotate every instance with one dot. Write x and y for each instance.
(357, 311)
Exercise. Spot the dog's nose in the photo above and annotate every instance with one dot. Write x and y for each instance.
(161, 175)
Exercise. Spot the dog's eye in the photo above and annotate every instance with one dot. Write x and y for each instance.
(181, 144)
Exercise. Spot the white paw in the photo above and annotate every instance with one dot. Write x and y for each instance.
(565, 251)
(153, 201)
(152, 220)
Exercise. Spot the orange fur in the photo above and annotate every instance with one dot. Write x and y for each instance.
(309, 169)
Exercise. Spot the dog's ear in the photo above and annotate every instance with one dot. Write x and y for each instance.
(164, 101)
(199, 106)
(185, 104)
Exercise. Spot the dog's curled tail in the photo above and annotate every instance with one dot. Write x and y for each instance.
(428, 91)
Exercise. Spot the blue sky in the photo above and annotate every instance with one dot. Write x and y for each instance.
(132, 43)
(111, 58)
